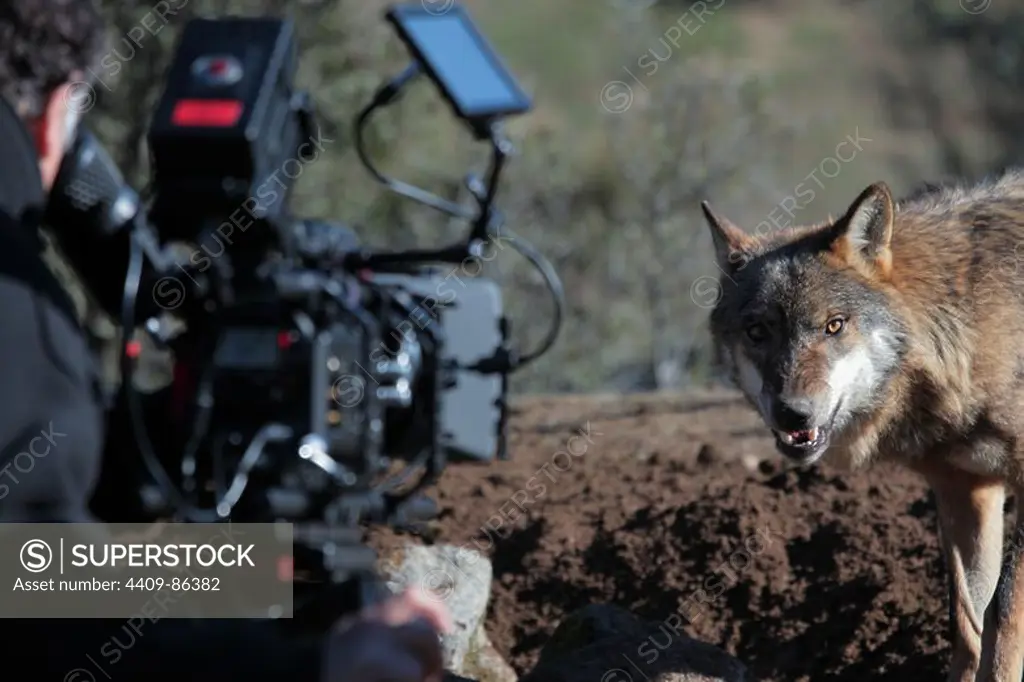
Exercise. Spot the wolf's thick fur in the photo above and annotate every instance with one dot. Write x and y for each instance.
(896, 332)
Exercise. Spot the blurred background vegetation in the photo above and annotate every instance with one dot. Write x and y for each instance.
(643, 108)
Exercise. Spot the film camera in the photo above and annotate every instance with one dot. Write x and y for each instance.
(307, 369)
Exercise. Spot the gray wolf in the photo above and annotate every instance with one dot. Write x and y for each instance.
(896, 333)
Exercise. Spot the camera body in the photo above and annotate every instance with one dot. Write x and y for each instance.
(225, 131)
(305, 366)
(354, 382)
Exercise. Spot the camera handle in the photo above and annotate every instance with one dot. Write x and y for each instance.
(484, 218)
(487, 222)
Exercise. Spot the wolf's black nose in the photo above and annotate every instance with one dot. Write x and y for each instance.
(788, 419)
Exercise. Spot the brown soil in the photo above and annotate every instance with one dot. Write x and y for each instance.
(679, 505)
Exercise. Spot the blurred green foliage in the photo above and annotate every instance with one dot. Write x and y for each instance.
(737, 105)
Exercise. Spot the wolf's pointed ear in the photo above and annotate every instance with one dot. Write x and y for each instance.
(865, 231)
(732, 245)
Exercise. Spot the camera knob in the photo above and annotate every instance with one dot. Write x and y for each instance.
(398, 395)
(398, 367)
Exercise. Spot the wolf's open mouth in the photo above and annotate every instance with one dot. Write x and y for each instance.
(803, 439)
(805, 447)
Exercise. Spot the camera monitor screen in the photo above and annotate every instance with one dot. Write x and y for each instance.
(460, 61)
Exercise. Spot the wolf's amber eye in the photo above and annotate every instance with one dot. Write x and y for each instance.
(834, 326)
(757, 333)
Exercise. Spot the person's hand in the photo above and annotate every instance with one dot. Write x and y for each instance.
(395, 641)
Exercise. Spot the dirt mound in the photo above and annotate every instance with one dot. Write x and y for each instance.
(659, 504)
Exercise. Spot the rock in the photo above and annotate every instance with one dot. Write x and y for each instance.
(605, 643)
(459, 577)
(484, 663)
(752, 463)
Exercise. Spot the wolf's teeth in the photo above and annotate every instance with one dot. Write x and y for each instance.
(812, 435)
(786, 438)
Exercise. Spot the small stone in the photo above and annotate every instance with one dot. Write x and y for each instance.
(708, 455)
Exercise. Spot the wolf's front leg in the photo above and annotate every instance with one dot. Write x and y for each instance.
(971, 521)
(1003, 658)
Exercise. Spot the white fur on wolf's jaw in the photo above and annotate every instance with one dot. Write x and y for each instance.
(856, 377)
(851, 383)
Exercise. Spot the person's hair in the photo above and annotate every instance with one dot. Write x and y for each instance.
(43, 44)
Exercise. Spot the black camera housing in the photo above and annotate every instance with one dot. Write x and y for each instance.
(227, 122)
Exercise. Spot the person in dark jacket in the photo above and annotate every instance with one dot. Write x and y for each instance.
(52, 425)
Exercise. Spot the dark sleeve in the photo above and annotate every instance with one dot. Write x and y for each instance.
(178, 650)
(51, 428)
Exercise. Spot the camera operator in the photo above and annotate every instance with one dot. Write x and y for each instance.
(52, 410)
